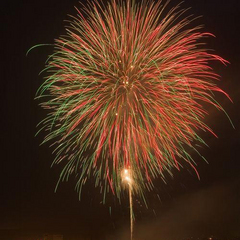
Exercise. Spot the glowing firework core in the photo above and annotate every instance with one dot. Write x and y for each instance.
(126, 175)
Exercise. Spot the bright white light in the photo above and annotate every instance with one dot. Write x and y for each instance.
(128, 179)
(126, 176)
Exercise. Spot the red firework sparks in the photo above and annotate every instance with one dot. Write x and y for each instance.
(127, 83)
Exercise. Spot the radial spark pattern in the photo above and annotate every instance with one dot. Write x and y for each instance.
(125, 89)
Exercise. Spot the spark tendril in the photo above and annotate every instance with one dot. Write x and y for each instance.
(125, 89)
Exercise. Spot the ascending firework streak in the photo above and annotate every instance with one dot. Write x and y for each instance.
(127, 177)
(125, 89)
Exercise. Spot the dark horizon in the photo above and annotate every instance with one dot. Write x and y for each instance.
(187, 207)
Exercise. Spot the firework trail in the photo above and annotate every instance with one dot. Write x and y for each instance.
(125, 88)
(127, 178)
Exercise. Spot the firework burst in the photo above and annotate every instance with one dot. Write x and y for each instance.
(125, 89)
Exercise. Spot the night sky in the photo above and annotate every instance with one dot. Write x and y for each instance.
(188, 207)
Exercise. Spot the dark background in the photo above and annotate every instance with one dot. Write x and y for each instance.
(188, 207)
